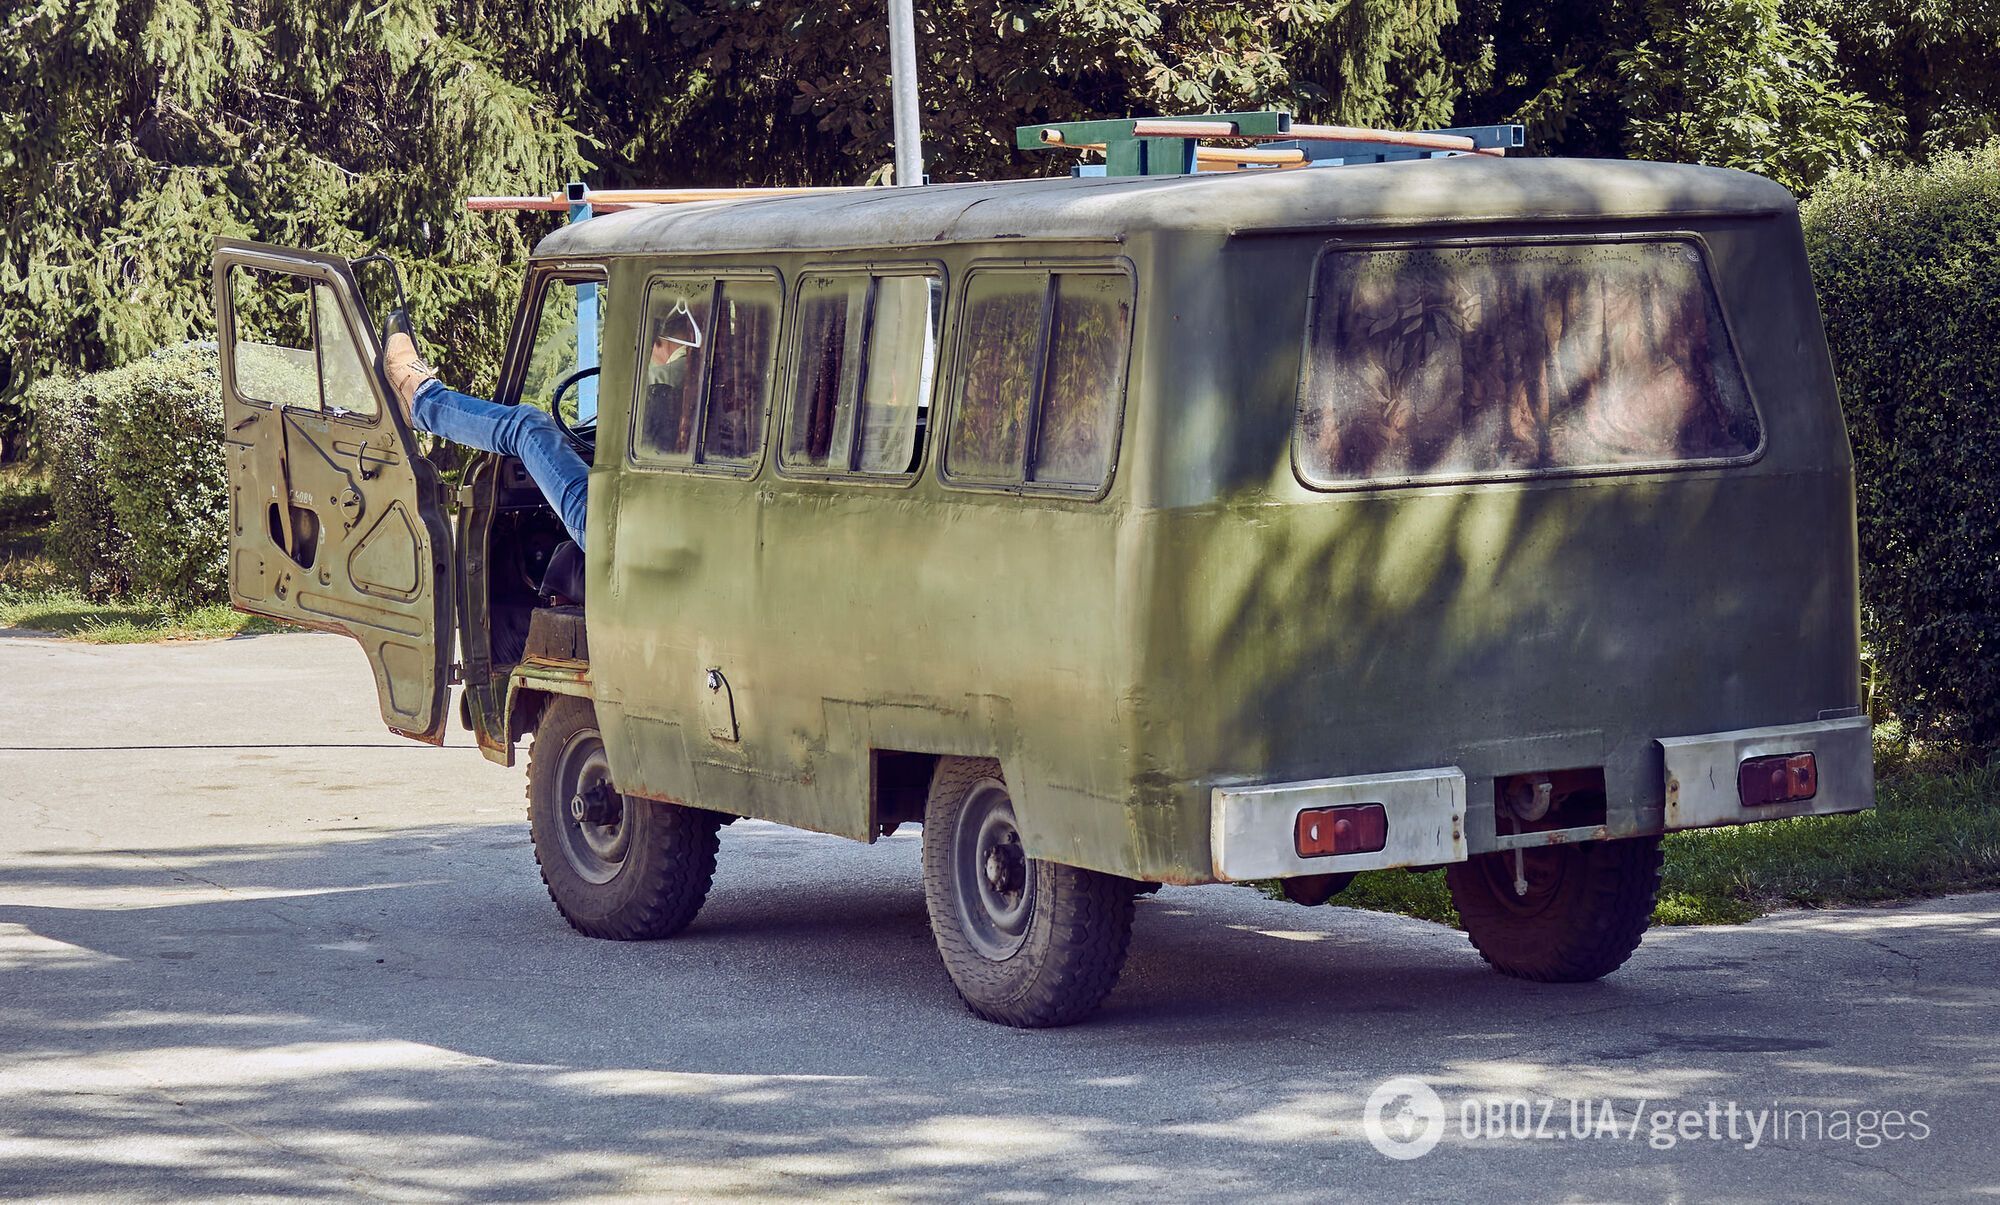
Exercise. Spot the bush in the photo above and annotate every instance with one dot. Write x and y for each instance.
(14, 429)
(1908, 266)
(84, 539)
(140, 490)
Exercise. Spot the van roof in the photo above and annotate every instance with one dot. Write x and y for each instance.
(1470, 188)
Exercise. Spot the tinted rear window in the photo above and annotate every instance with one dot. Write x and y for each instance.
(1473, 361)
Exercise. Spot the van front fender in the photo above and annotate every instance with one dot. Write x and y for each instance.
(529, 687)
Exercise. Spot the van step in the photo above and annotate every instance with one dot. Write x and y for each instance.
(557, 632)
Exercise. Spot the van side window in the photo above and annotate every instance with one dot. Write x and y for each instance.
(866, 357)
(705, 371)
(1468, 361)
(1042, 378)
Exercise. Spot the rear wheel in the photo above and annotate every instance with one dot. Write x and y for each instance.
(619, 868)
(1584, 909)
(1027, 943)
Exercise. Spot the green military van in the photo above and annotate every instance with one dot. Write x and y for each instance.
(1487, 514)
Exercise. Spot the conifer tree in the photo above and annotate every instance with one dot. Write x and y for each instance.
(133, 133)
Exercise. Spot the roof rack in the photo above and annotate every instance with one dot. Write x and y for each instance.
(580, 201)
(1132, 146)
(1172, 146)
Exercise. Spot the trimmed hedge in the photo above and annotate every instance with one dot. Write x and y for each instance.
(1907, 261)
(140, 491)
(83, 539)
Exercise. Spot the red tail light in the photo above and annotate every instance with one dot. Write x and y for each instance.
(1785, 778)
(1359, 828)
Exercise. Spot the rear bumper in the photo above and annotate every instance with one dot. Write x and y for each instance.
(1701, 771)
(1251, 828)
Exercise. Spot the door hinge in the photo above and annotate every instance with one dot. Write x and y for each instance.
(464, 496)
(454, 674)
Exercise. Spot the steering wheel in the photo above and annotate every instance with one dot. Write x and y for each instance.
(582, 435)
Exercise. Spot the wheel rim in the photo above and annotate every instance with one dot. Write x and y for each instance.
(595, 851)
(993, 880)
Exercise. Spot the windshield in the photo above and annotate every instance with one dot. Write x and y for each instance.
(569, 330)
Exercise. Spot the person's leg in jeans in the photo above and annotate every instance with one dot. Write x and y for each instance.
(519, 431)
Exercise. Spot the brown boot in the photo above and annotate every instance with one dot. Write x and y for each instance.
(405, 369)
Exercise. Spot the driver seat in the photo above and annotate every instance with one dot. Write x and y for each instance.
(556, 629)
(562, 581)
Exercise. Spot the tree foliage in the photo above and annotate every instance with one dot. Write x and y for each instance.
(1735, 84)
(135, 132)
(797, 92)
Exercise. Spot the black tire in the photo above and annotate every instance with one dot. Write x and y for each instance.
(1586, 909)
(641, 876)
(1027, 943)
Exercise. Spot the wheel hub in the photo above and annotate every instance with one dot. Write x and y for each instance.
(595, 835)
(1006, 868)
(994, 879)
(597, 804)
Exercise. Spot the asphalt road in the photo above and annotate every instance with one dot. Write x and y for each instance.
(250, 944)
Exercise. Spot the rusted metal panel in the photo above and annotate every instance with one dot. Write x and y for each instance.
(553, 675)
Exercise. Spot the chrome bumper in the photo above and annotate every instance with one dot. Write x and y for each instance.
(1701, 771)
(1251, 827)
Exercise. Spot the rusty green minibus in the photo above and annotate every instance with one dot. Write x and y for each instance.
(1487, 514)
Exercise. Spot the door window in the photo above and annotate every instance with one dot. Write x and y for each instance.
(569, 330)
(293, 347)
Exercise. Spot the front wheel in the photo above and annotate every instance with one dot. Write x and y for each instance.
(1566, 914)
(1027, 943)
(619, 868)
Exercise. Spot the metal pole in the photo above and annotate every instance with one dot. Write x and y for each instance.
(903, 91)
(580, 210)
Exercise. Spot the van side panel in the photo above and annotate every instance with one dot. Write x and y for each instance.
(844, 617)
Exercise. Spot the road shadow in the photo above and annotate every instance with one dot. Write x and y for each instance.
(400, 1012)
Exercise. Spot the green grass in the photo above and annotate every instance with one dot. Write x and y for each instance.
(34, 596)
(67, 613)
(1933, 831)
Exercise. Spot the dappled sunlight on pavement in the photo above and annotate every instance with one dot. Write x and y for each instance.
(224, 972)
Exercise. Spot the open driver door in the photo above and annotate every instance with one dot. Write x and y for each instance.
(336, 519)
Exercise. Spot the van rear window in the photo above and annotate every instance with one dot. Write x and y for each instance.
(1492, 360)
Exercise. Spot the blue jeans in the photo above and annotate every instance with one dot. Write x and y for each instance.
(519, 431)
